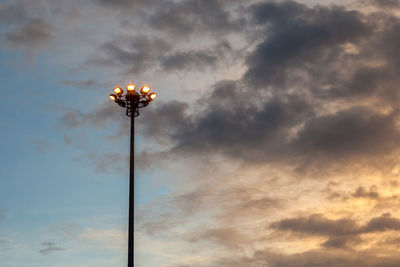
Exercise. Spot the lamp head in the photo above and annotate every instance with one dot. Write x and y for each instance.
(152, 96)
(118, 91)
(113, 97)
(130, 88)
(145, 89)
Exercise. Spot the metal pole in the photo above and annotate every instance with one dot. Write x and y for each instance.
(131, 192)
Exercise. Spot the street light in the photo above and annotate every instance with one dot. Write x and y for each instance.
(132, 101)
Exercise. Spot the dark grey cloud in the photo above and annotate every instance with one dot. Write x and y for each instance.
(355, 131)
(380, 200)
(383, 223)
(12, 13)
(164, 120)
(49, 247)
(342, 242)
(182, 18)
(318, 224)
(196, 59)
(139, 54)
(134, 54)
(297, 36)
(341, 232)
(33, 34)
(239, 131)
(308, 58)
(362, 192)
(386, 3)
(119, 3)
(127, 6)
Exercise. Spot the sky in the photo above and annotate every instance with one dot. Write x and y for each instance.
(273, 141)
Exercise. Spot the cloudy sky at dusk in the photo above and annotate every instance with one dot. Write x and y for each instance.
(274, 140)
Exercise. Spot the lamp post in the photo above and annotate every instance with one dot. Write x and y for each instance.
(132, 101)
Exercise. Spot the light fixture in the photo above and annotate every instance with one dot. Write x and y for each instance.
(130, 88)
(145, 89)
(132, 100)
(118, 91)
(113, 97)
(152, 96)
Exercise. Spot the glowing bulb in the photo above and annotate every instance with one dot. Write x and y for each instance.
(152, 96)
(113, 97)
(145, 89)
(130, 88)
(118, 91)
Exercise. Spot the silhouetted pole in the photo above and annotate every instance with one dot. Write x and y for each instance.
(132, 101)
(131, 228)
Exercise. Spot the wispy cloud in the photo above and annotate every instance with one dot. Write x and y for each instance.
(49, 247)
(42, 146)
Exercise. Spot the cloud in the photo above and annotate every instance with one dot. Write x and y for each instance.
(162, 121)
(298, 36)
(228, 237)
(377, 198)
(108, 162)
(383, 223)
(82, 84)
(12, 13)
(386, 3)
(361, 192)
(355, 131)
(183, 18)
(306, 96)
(118, 3)
(33, 34)
(229, 127)
(341, 232)
(138, 54)
(103, 238)
(238, 202)
(99, 117)
(42, 146)
(200, 59)
(319, 225)
(50, 247)
(125, 5)
(135, 54)
(312, 258)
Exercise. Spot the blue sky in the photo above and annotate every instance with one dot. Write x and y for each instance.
(273, 140)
